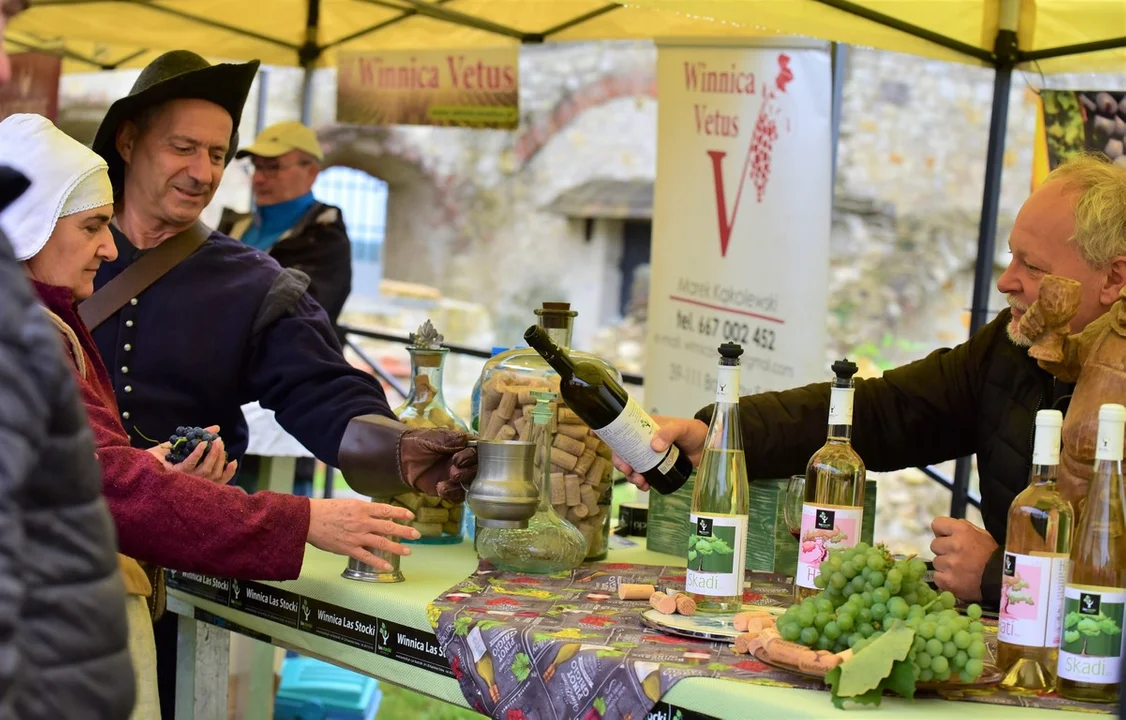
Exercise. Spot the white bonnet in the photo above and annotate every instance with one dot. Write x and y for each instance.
(66, 178)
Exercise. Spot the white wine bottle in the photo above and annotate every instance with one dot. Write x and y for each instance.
(833, 512)
(603, 404)
(1091, 644)
(717, 549)
(1034, 569)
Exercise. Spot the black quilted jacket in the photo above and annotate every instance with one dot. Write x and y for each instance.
(979, 397)
(63, 636)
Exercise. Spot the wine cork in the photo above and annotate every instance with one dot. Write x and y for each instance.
(411, 501)
(563, 459)
(568, 416)
(578, 432)
(560, 509)
(524, 397)
(451, 527)
(569, 445)
(526, 411)
(662, 603)
(507, 407)
(495, 423)
(769, 635)
(587, 496)
(635, 591)
(558, 489)
(586, 459)
(432, 515)
(523, 427)
(597, 470)
(579, 511)
(592, 442)
(818, 663)
(742, 644)
(741, 620)
(490, 400)
(506, 433)
(428, 529)
(684, 604)
(603, 451)
(786, 652)
(572, 485)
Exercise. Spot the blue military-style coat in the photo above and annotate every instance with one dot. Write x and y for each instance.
(183, 353)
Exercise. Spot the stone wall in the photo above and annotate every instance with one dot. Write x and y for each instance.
(465, 207)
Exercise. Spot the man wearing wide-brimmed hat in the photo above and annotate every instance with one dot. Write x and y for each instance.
(192, 324)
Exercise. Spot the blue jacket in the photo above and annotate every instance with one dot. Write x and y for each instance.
(183, 353)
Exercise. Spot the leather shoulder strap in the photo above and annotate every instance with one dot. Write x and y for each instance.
(132, 281)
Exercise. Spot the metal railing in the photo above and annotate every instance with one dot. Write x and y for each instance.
(957, 485)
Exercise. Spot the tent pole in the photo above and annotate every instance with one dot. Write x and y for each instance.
(1005, 49)
(839, 59)
(308, 55)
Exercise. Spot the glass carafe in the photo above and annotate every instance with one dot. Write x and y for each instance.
(438, 521)
(579, 461)
(549, 543)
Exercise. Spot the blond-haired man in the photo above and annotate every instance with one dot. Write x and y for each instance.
(979, 397)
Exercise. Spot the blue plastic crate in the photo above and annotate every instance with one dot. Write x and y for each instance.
(315, 690)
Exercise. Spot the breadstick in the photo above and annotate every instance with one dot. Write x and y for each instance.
(635, 591)
(662, 603)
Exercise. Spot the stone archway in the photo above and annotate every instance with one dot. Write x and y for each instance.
(420, 234)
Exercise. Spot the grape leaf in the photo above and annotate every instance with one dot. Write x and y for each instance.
(521, 667)
(833, 679)
(871, 665)
(488, 625)
(1108, 627)
(901, 680)
(1071, 636)
(1071, 619)
(600, 705)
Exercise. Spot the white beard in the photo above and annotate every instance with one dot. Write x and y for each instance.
(1015, 337)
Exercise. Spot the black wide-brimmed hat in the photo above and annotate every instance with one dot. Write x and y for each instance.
(180, 74)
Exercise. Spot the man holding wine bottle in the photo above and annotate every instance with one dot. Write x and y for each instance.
(979, 397)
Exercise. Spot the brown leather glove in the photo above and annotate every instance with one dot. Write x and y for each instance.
(382, 458)
(437, 461)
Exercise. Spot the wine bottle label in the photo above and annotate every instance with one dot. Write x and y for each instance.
(840, 406)
(1091, 645)
(476, 644)
(630, 434)
(1032, 599)
(717, 554)
(825, 528)
(727, 384)
(1109, 444)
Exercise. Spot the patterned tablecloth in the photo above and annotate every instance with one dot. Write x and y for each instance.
(554, 647)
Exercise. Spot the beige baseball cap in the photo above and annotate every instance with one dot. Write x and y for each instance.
(281, 138)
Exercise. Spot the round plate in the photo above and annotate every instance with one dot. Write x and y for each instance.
(716, 628)
(991, 675)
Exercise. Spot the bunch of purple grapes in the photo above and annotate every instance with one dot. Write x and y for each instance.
(186, 440)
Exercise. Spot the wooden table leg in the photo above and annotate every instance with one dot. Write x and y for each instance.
(202, 658)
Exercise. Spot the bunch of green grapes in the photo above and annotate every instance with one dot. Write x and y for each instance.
(865, 591)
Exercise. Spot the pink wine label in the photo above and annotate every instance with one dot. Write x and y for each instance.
(824, 528)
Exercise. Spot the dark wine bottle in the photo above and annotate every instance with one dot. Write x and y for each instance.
(603, 404)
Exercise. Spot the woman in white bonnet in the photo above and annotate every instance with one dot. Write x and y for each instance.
(59, 229)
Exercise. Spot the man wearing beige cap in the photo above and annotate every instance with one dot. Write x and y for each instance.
(289, 223)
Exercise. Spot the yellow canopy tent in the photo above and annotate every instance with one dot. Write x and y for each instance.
(1052, 35)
